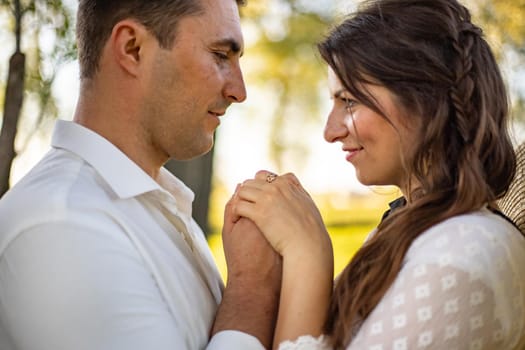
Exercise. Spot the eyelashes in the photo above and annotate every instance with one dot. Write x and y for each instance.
(349, 103)
(221, 55)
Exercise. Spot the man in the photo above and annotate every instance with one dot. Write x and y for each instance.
(98, 249)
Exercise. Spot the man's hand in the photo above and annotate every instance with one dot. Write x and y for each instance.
(251, 299)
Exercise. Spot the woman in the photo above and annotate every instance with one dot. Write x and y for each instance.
(418, 102)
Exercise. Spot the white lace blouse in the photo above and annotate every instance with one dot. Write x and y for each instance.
(462, 286)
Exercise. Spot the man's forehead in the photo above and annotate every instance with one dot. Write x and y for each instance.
(219, 23)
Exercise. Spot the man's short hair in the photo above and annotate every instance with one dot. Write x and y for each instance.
(96, 19)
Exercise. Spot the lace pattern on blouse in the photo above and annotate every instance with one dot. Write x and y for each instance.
(306, 342)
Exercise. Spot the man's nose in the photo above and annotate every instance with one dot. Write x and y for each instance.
(235, 90)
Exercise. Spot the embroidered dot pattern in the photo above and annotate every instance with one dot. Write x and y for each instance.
(461, 287)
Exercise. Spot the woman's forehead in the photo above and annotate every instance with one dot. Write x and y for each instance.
(334, 83)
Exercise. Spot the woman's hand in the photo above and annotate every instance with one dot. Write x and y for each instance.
(284, 212)
(289, 219)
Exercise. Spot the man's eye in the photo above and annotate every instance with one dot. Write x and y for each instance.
(221, 55)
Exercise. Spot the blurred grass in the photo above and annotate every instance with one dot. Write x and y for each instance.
(346, 241)
(349, 218)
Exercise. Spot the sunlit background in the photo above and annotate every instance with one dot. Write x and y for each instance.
(280, 125)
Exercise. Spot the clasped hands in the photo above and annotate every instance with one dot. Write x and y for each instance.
(282, 211)
(275, 241)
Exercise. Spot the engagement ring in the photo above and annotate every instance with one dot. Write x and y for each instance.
(271, 177)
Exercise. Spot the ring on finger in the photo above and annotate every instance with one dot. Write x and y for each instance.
(270, 177)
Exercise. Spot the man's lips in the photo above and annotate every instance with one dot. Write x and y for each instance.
(217, 113)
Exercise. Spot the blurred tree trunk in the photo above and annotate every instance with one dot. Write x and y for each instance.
(196, 174)
(27, 79)
(14, 97)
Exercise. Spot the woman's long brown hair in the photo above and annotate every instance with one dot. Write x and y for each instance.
(442, 72)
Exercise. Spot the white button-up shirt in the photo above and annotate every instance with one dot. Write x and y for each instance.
(95, 254)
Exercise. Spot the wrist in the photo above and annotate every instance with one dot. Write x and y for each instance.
(249, 308)
(317, 256)
(306, 292)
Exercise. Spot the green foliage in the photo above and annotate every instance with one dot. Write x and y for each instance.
(284, 60)
(503, 22)
(47, 39)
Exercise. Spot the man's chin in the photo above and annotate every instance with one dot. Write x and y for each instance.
(194, 153)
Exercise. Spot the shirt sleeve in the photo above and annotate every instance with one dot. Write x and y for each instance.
(234, 340)
(66, 286)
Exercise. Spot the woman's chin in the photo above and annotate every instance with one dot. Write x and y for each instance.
(365, 180)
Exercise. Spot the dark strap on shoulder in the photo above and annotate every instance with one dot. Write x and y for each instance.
(395, 204)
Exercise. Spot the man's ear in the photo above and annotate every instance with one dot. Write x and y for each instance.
(127, 41)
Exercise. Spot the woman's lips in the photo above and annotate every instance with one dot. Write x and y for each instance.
(351, 153)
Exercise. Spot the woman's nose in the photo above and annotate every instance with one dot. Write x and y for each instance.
(335, 128)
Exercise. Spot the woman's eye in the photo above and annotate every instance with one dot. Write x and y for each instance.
(349, 103)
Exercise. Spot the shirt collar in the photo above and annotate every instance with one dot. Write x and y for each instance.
(124, 176)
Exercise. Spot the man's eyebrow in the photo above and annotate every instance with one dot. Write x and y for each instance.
(233, 45)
